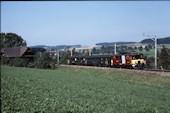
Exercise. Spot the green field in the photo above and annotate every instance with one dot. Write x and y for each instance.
(150, 53)
(77, 90)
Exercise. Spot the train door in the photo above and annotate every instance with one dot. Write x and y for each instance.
(123, 59)
(117, 60)
(106, 62)
(112, 60)
(127, 60)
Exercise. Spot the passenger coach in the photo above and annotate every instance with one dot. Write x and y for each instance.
(119, 60)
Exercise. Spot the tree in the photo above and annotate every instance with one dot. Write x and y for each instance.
(65, 57)
(140, 48)
(164, 58)
(135, 47)
(130, 48)
(44, 61)
(94, 50)
(146, 48)
(150, 62)
(150, 46)
(102, 47)
(11, 40)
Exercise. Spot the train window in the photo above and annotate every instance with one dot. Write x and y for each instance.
(141, 56)
(101, 58)
(134, 57)
(130, 57)
(138, 56)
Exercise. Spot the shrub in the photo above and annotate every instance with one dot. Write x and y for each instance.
(4, 60)
(19, 62)
(150, 62)
(52, 66)
(164, 58)
(44, 61)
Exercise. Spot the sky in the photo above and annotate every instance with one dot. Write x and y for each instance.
(85, 22)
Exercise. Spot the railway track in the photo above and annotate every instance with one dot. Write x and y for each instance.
(152, 71)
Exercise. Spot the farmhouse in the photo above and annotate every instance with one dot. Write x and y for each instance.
(17, 52)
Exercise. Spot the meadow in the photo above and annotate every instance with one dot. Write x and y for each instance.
(80, 90)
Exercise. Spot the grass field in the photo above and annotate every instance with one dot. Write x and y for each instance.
(77, 90)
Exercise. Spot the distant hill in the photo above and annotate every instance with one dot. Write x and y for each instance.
(55, 47)
(38, 46)
(112, 43)
(160, 41)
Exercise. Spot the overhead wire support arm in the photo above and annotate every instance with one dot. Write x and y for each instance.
(155, 40)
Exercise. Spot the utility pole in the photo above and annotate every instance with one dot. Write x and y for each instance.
(58, 59)
(71, 52)
(115, 48)
(40, 54)
(155, 40)
(155, 52)
(89, 52)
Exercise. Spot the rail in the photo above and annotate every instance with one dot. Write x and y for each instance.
(145, 70)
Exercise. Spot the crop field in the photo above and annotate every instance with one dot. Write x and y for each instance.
(80, 90)
(150, 53)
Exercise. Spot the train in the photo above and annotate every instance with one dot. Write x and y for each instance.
(132, 61)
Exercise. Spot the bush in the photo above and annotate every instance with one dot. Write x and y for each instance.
(52, 66)
(19, 62)
(4, 60)
(150, 62)
(44, 61)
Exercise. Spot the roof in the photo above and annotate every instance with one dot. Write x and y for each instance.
(95, 56)
(104, 56)
(14, 51)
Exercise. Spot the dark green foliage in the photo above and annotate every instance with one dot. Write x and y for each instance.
(19, 62)
(11, 40)
(160, 41)
(140, 48)
(4, 60)
(130, 48)
(94, 50)
(44, 61)
(164, 58)
(150, 62)
(150, 46)
(148, 41)
(64, 58)
(146, 48)
(52, 65)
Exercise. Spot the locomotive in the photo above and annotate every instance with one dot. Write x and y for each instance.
(133, 60)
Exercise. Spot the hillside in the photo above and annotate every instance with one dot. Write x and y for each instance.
(165, 40)
(160, 41)
(55, 47)
(112, 43)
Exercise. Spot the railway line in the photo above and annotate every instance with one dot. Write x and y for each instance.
(152, 71)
